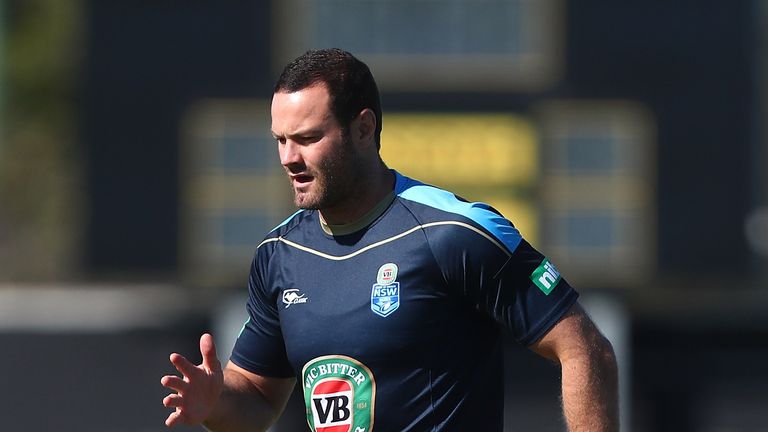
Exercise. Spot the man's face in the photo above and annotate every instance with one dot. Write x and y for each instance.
(320, 160)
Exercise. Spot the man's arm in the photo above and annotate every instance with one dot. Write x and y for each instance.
(249, 402)
(230, 400)
(589, 372)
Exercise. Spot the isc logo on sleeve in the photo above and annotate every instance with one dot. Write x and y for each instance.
(339, 393)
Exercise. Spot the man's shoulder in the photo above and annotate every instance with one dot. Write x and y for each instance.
(442, 200)
(428, 196)
(434, 206)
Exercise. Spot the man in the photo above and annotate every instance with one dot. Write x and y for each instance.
(385, 296)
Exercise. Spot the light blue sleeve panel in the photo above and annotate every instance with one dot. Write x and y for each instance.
(481, 213)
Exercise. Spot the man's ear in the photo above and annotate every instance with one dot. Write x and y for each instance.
(363, 127)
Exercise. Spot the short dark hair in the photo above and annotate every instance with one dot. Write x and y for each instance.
(349, 81)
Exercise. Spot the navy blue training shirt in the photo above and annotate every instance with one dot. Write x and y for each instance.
(396, 326)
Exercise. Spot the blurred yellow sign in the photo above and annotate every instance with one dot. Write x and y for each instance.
(489, 157)
(450, 149)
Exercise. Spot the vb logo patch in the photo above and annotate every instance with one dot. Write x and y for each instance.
(339, 393)
(385, 294)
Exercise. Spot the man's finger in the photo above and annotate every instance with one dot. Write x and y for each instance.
(173, 400)
(173, 418)
(175, 383)
(208, 351)
(183, 365)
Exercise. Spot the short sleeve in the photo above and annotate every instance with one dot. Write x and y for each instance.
(514, 285)
(530, 296)
(260, 347)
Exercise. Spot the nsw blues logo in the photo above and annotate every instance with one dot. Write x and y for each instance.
(385, 294)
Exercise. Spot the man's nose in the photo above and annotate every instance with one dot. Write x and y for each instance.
(290, 154)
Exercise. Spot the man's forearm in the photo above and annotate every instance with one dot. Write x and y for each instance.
(241, 408)
(590, 389)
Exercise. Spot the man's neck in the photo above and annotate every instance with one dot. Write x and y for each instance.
(369, 195)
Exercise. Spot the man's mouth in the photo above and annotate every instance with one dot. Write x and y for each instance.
(301, 179)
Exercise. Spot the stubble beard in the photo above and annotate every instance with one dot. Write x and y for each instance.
(334, 180)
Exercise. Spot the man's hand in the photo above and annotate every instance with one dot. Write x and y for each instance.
(198, 391)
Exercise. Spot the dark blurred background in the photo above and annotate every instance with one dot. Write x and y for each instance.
(627, 140)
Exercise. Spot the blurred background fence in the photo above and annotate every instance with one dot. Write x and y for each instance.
(627, 140)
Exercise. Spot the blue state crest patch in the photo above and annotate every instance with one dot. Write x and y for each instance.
(385, 294)
(385, 299)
